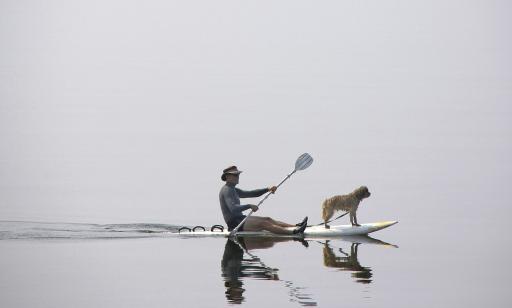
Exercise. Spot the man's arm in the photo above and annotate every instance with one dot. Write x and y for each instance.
(251, 193)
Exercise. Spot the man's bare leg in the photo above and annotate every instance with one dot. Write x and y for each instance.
(280, 223)
(256, 223)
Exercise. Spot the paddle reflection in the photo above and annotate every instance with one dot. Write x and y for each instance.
(239, 264)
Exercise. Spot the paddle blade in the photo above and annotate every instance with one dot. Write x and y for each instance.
(304, 161)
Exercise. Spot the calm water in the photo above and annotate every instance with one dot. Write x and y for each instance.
(132, 265)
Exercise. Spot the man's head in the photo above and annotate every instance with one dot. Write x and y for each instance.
(231, 174)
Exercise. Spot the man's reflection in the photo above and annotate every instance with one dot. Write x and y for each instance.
(235, 267)
(347, 262)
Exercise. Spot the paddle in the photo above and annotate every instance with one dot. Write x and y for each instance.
(304, 161)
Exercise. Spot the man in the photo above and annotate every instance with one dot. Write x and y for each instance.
(229, 198)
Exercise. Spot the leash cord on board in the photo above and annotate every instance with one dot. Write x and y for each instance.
(330, 220)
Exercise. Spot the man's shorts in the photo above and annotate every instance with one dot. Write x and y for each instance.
(235, 222)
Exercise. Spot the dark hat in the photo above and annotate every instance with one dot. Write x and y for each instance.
(229, 170)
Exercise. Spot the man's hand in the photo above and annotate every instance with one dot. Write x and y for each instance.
(254, 208)
(272, 189)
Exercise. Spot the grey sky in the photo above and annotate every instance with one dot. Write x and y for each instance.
(129, 110)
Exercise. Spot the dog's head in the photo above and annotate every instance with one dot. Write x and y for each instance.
(362, 192)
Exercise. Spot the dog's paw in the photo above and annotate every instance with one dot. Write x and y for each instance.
(327, 226)
(356, 225)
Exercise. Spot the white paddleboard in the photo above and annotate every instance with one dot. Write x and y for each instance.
(310, 232)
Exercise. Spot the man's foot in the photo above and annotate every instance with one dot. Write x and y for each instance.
(303, 222)
(300, 229)
(302, 241)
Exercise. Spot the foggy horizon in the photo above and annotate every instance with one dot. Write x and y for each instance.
(119, 110)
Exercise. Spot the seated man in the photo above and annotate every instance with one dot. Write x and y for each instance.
(232, 210)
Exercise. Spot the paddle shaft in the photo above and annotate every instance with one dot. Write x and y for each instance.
(235, 230)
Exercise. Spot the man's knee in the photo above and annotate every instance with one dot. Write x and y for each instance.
(265, 221)
(268, 221)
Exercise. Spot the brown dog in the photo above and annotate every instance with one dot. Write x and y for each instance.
(348, 203)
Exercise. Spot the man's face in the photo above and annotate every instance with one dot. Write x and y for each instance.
(233, 178)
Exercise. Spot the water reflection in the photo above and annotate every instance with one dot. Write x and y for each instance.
(349, 261)
(239, 264)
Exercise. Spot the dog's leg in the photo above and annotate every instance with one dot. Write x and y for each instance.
(326, 219)
(353, 249)
(353, 219)
(327, 213)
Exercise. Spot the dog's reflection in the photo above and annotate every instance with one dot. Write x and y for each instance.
(347, 262)
(238, 264)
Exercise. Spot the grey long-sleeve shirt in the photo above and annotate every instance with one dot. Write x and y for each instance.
(229, 198)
